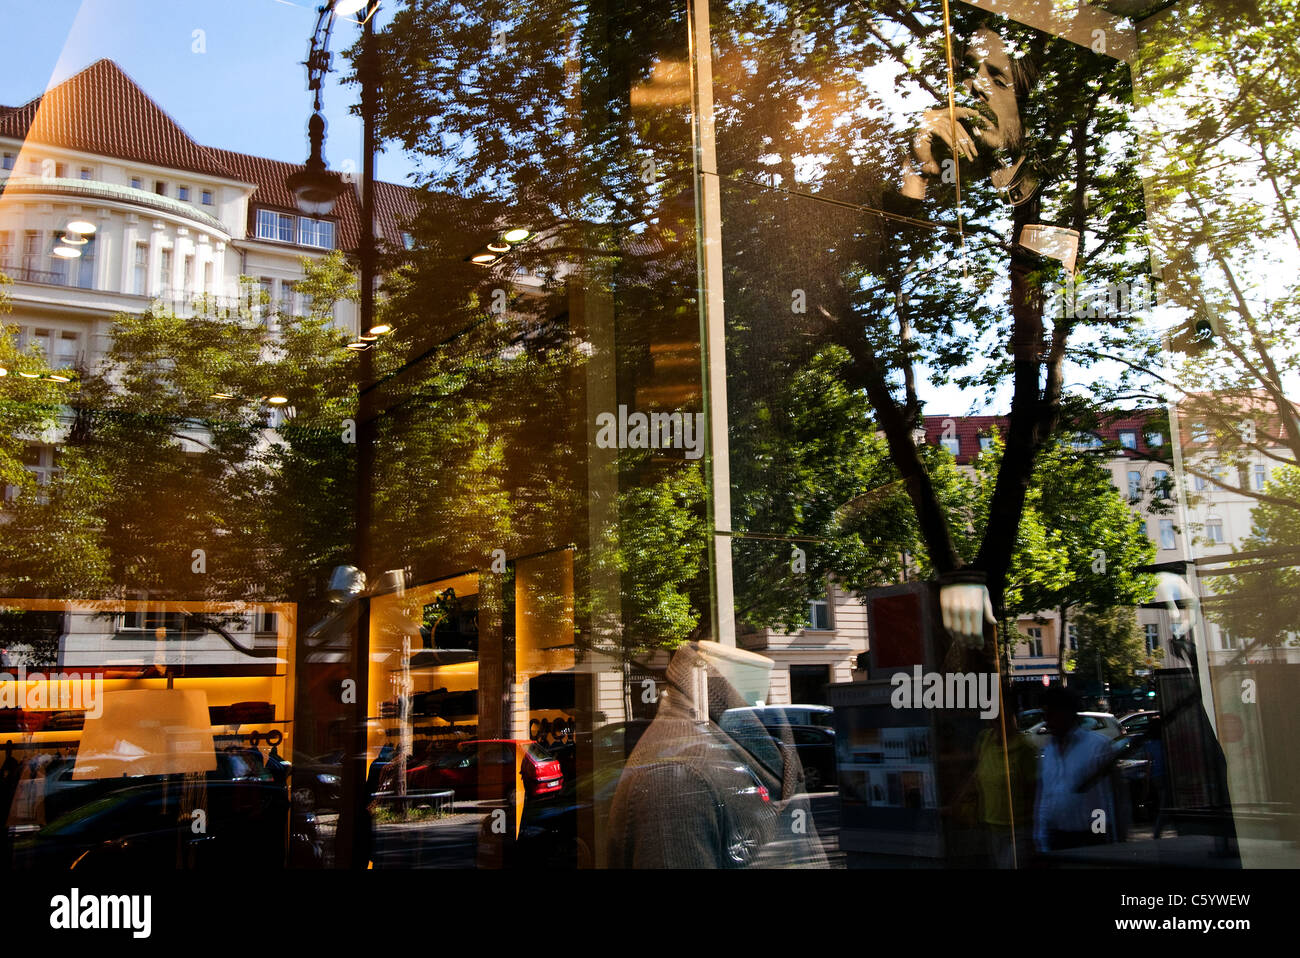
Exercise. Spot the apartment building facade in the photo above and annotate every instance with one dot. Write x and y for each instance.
(160, 216)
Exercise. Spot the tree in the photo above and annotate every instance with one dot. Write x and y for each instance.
(1257, 601)
(577, 122)
(1102, 539)
(1111, 646)
(1219, 92)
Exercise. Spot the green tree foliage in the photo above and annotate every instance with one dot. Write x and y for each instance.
(1258, 603)
(1219, 90)
(1111, 647)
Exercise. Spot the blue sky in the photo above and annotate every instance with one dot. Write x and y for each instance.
(247, 90)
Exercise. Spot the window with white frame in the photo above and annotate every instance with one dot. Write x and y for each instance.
(206, 197)
(183, 194)
(274, 226)
(1134, 485)
(1152, 637)
(31, 251)
(86, 263)
(313, 232)
(1214, 530)
(1035, 642)
(1200, 432)
(137, 183)
(7, 161)
(1155, 439)
(952, 444)
(1261, 477)
(986, 443)
(87, 173)
(6, 248)
(1167, 538)
(1128, 439)
(165, 270)
(819, 615)
(140, 269)
(1161, 479)
(288, 297)
(58, 265)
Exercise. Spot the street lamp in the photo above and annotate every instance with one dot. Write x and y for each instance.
(315, 193)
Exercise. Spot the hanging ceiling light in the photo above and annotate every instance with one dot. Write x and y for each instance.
(66, 252)
(517, 235)
(74, 239)
(358, 345)
(277, 400)
(483, 259)
(499, 246)
(84, 227)
(380, 329)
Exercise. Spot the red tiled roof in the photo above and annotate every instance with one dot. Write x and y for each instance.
(969, 429)
(395, 206)
(101, 110)
(270, 175)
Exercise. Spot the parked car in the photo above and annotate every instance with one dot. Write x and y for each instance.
(482, 768)
(148, 826)
(821, 716)
(1136, 723)
(1102, 722)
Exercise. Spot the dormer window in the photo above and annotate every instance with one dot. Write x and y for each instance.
(318, 233)
(303, 230)
(275, 226)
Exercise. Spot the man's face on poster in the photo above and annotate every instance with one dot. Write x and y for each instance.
(992, 90)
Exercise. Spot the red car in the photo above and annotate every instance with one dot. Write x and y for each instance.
(486, 768)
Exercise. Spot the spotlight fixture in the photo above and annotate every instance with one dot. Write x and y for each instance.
(84, 227)
(66, 252)
(517, 235)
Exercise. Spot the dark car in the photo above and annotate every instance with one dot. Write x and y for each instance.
(159, 824)
(1135, 723)
(814, 745)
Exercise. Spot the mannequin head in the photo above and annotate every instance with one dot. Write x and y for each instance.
(747, 672)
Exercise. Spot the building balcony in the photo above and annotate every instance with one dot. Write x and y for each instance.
(93, 191)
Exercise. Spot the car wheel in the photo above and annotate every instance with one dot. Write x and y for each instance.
(743, 843)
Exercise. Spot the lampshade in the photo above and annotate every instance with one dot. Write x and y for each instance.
(147, 732)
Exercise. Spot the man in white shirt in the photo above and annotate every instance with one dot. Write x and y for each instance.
(1075, 805)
